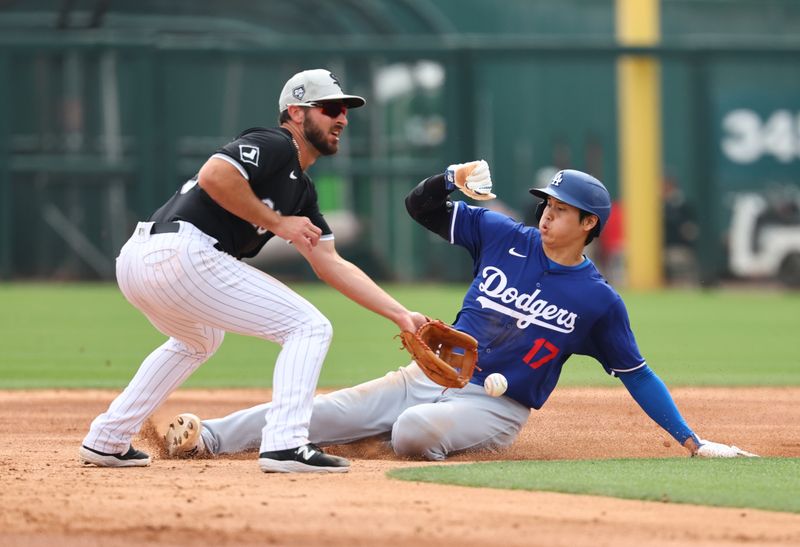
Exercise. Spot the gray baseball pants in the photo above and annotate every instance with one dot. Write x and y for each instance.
(422, 420)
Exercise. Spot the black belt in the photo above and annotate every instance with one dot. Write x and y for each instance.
(164, 228)
(171, 228)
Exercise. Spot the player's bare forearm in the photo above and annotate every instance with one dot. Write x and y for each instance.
(225, 185)
(351, 281)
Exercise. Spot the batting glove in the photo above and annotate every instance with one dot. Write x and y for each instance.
(709, 449)
(473, 179)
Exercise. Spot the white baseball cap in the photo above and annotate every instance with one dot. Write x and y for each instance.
(312, 86)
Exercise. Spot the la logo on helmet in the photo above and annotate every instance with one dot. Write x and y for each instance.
(557, 179)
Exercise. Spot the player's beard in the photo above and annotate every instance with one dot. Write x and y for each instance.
(318, 139)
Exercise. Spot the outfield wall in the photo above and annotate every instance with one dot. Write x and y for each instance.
(99, 124)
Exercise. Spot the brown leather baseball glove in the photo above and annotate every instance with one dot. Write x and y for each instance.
(446, 356)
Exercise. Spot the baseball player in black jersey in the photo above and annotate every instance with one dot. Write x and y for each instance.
(181, 269)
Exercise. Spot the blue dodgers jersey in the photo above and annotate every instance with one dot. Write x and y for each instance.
(530, 318)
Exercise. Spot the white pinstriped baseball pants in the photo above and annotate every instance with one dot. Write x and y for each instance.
(194, 293)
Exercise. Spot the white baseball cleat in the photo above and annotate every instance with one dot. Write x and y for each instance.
(183, 437)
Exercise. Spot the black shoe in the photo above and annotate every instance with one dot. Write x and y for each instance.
(303, 459)
(131, 458)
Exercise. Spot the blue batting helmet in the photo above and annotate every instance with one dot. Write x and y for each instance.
(580, 190)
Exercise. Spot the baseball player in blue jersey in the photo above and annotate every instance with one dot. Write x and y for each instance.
(535, 300)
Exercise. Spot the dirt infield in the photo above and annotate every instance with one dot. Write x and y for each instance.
(49, 498)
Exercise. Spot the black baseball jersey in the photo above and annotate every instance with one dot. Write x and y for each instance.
(267, 158)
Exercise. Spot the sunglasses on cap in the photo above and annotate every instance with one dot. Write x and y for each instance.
(332, 109)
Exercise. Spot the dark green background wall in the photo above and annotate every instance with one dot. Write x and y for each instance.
(108, 106)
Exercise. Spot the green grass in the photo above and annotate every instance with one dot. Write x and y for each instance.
(87, 335)
(764, 483)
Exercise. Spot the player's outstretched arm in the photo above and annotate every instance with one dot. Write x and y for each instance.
(652, 395)
(351, 281)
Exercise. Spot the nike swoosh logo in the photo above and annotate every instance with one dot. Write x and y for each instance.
(249, 155)
(292, 176)
(512, 252)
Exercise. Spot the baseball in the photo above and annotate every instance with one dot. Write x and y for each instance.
(495, 384)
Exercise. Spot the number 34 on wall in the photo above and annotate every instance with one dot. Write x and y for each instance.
(747, 137)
